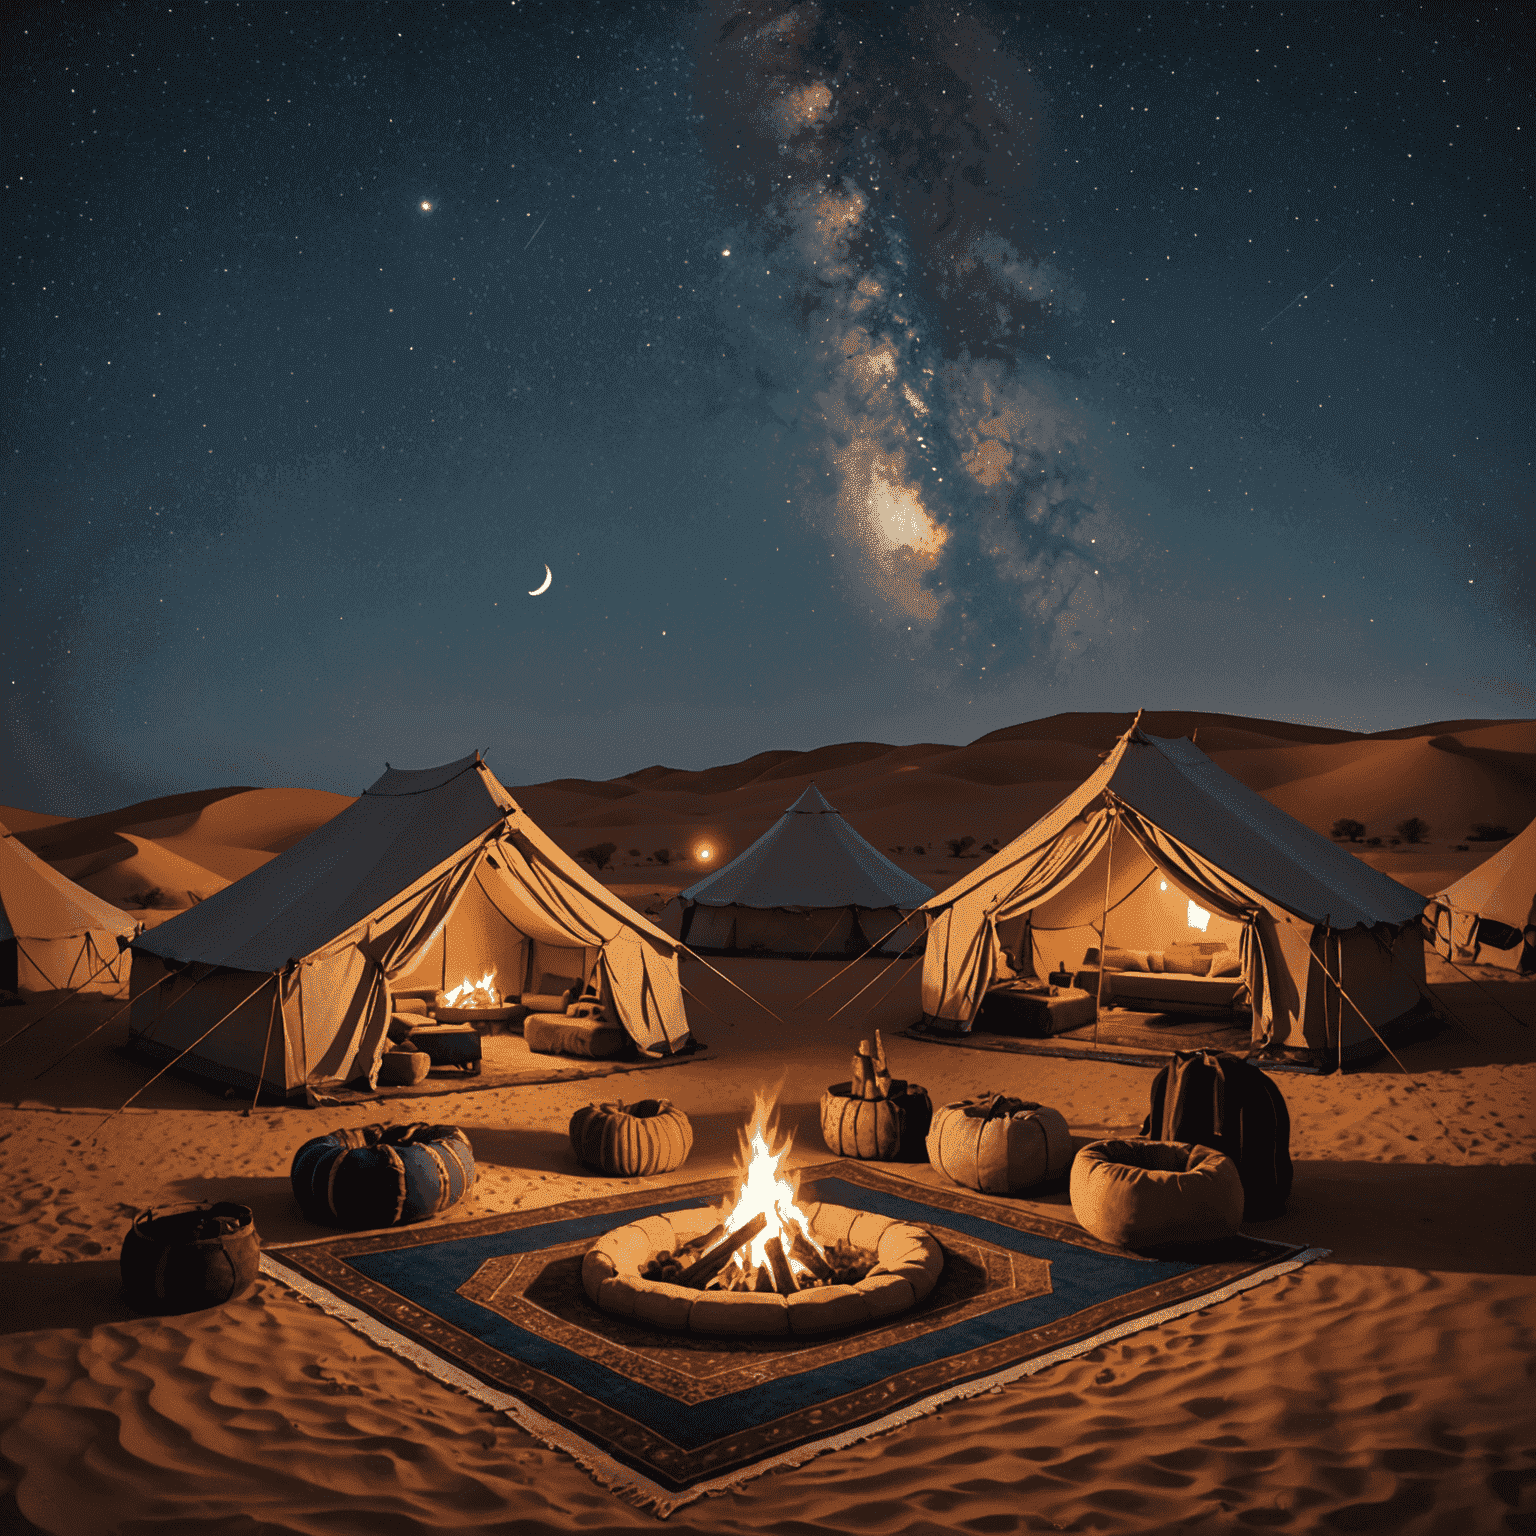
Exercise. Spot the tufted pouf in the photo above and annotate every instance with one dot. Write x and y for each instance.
(382, 1175)
(998, 1144)
(1140, 1194)
(653, 1136)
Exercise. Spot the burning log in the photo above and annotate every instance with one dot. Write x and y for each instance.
(784, 1281)
(804, 1250)
(700, 1273)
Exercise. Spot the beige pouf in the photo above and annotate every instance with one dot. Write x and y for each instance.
(1141, 1194)
(558, 1034)
(998, 1144)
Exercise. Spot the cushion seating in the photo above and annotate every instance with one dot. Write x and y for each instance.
(556, 1034)
(1169, 990)
(382, 1175)
(1142, 1194)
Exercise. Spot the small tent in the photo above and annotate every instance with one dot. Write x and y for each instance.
(56, 936)
(429, 878)
(1489, 916)
(1160, 845)
(809, 888)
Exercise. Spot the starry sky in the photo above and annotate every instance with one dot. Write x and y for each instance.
(860, 371)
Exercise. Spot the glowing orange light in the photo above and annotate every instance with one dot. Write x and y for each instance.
(426, 207)
(474, 994)
(706, 853)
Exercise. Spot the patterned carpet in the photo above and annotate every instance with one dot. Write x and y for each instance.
(496, 1307)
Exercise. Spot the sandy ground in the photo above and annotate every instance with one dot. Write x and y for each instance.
(1387, 1388)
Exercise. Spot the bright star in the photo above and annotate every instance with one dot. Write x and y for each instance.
(426, 207)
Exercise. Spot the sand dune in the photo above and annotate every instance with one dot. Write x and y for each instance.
(150, 875)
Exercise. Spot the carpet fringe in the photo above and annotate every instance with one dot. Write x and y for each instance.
(644, 1493)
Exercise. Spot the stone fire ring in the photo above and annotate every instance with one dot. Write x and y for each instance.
(909, 1262)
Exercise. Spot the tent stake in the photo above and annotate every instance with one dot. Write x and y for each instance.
(172, 1062)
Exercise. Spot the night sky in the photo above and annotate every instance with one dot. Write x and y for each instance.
(860, 371)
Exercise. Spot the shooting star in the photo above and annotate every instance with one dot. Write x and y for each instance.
(535, 235)
(1300, 296)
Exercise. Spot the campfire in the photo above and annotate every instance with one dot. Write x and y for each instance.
(472, 994)
(764, 1242)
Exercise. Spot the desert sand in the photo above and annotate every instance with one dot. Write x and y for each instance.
(1386, 1387)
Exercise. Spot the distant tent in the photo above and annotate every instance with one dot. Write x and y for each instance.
(809, 888)
(56, 936)
(1227, 863)
(429, 878)
(1489, 916)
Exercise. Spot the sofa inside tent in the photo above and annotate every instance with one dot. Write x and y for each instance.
(429, 878)
(1159, 856)
(1488, 917)
(56, 936)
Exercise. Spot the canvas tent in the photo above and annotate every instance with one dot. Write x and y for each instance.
(431, 877)
(56, 936)
(1489, 916)
(1159, 843)
(809, 888)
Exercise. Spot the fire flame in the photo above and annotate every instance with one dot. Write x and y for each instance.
(474, 994)
(763, 1192)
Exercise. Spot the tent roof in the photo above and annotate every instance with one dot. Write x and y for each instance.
(1175, 786)
(403, 826)
(810, 857)
(37, 902)
(1503, 886)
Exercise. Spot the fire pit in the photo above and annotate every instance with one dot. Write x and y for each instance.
(764, 1266)
(473, 1002)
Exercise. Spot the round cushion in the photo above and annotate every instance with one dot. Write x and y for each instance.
(1140, 1194)
(382, 1175)
(626, 1140)
(999, 1144)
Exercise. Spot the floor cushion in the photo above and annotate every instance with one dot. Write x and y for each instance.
(1014, 1009)
(998, 1144)
(1141, 1194)
(556, 1034)
(382, 1175)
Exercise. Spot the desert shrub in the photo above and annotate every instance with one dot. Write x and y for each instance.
(599, 854)
(899, 849)
(1414, 830)
(1373, 842)
(1348, 830)
(918, 848)
(662, 856)
(1461, 847)
(634, 853)
(1395, 841)
(958, 845)
(1487, 832)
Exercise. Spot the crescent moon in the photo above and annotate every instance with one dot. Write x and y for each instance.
(549, 576)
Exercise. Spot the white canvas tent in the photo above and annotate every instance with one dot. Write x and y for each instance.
(429, 878)
(56, 936)
(1488, 917)
(809, 888)
(1157, 843)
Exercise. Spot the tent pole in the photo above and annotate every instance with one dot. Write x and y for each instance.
(116, 1014)
(1109, 865)
(723, 977)
(172, 1062)
(105, 965)
(266, 1046)
(1388, 1049)
(1338, 960)
(867, 953)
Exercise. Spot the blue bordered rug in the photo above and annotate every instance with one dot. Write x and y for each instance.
(495, 1307)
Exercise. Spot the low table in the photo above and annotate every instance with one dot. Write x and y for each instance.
(449, 1045)
(1010, 1009)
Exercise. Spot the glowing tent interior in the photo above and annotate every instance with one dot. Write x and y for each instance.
(287, 975)
(1160, 846)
